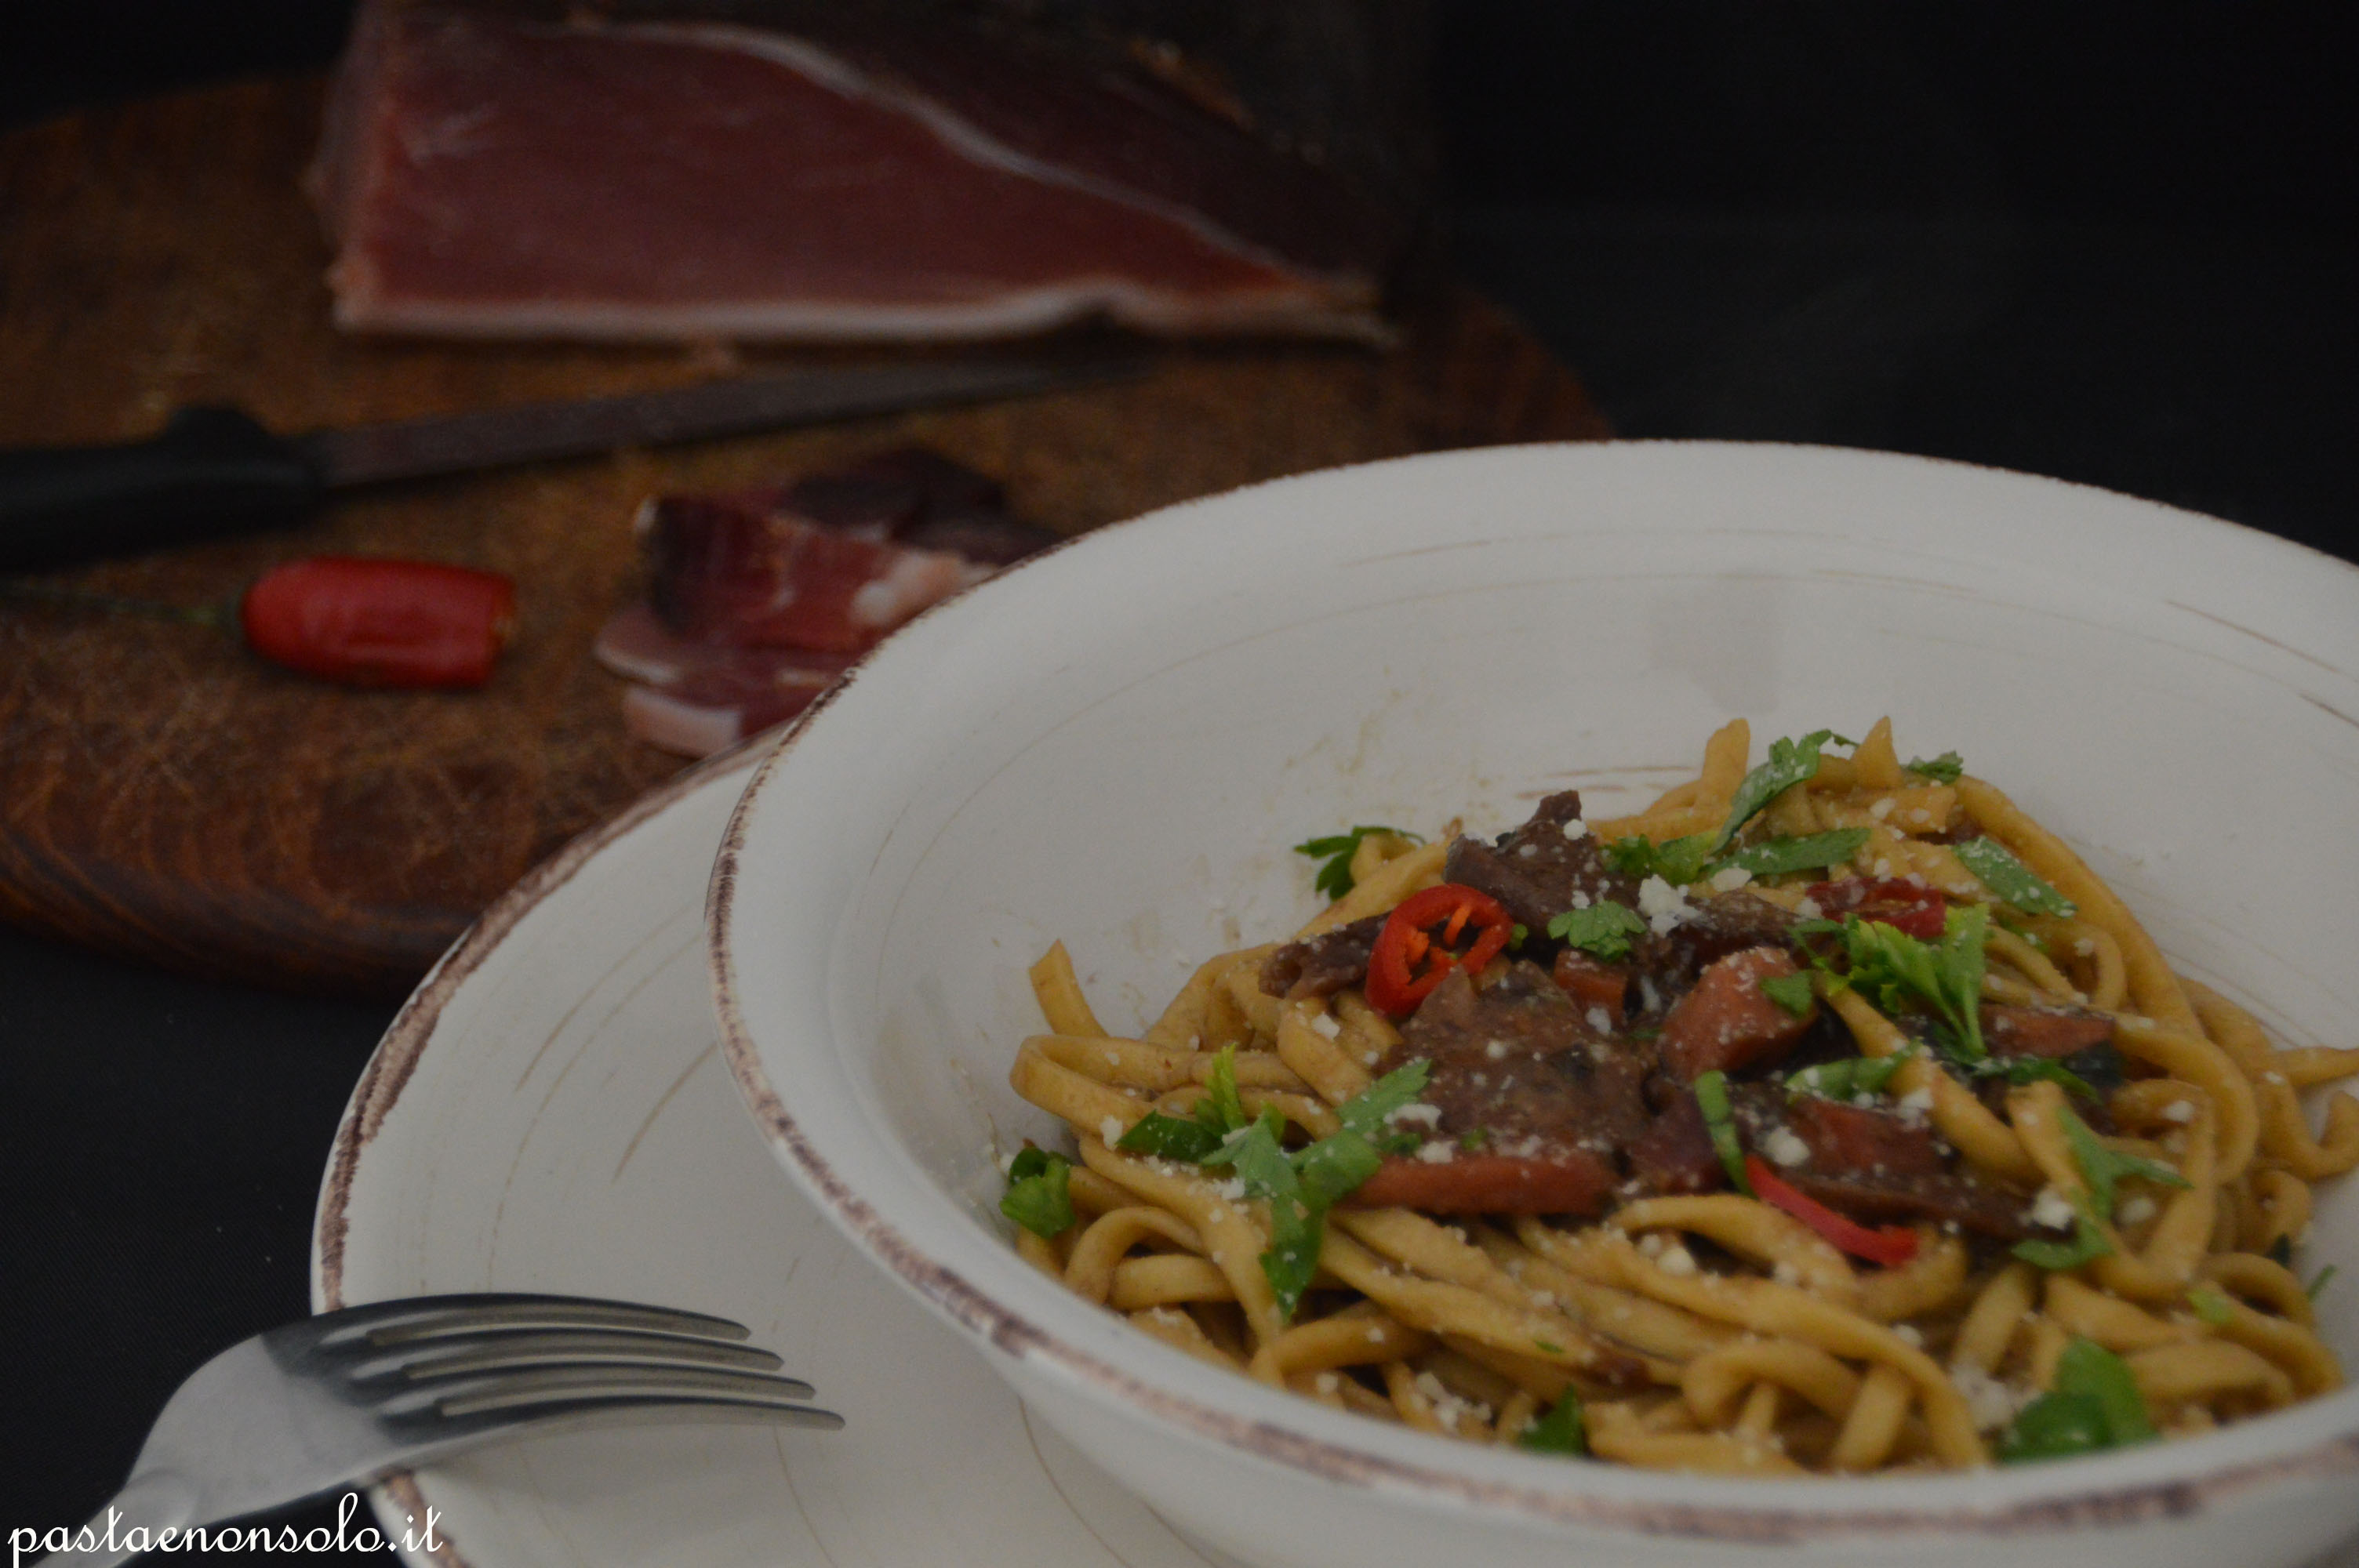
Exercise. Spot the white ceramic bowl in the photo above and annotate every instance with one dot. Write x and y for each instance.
(1117, 744)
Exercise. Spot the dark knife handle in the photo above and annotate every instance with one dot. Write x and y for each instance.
(212, 472)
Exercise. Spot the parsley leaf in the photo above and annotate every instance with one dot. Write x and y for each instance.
(1720, 1122)
(1300, 1187)
(1165, 1136)
(1890, 967)
(1791, 762)
(1296, 1218)
(2088, 1367)
(1678, 861)
(2020, 1070)
(1605, 928)
(2056, 1426)
(2017, 883)
(1943, 768)
(2212, 1306)
(1257, 1152)
(1220, 1112)
(1332, 1168)
(2088, 1242)
(1297, 1231)
(1335, 853)
(2102, 1166)
(1852, 1076)
(1038, 1195)
(2325, 1276)
(1808, 852)
(2092, 1404)
(1792, 993)
(1562, 1431)
(1364, 1112)
(1221, 1109)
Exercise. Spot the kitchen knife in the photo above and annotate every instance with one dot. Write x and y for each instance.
(214, 471)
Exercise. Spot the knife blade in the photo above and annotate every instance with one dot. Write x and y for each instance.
(214, 471)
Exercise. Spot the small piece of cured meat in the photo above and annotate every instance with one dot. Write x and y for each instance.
(1324, 964)
(757, 601)
(1538, 870)
(1727, 1023)
(696, 699)
(726, 569)
(1532, 1099)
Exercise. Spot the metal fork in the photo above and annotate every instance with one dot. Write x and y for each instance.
(350, 1397)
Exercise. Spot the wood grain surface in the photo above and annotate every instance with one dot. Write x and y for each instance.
(163, 793)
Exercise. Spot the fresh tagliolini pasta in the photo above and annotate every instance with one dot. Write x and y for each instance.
(1830, 1116)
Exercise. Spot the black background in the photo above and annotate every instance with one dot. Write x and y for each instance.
(2113, 242)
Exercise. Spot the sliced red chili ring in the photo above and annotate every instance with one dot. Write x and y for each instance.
(1417, 944)
(1890, 1245)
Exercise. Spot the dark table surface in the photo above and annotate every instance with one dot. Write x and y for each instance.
(2116, 245)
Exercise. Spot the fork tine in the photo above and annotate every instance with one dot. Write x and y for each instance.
(424, 1317)
(614, 1409)
(568, 1385)
(515, 1350)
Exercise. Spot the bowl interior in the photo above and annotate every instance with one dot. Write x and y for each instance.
(1116, 746)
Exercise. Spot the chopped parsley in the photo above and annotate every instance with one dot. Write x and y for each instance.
(1893, 969)
(1562, 1431)
(2102, 1166)
(1038, 1195)
(2018, 884)
(2021, 1070)
(1792, 993)
(1301, 1187)
(1791, 762)
(1219, 1113)
(2088, 1243)
(2325, 1277)
(1602, 930)
(1720, 1122)
(2094, 1404)
(1366, 1112)
(1678, 861)
(1943, 768)
(1334, 854)
(1808, 852)
(1225, 1110)
(1162, 1137)
(1844, 1080)
(2212, 1306)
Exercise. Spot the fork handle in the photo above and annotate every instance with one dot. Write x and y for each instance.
(148, 1504)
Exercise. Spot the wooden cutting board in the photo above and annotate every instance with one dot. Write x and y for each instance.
(164, 794)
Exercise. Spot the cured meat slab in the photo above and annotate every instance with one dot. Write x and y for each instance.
(488, 176)
(161, 792)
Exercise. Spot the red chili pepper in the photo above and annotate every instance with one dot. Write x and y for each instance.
(1417, 946)
(1920, 911)
(1890, 1245)
(380, 623)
